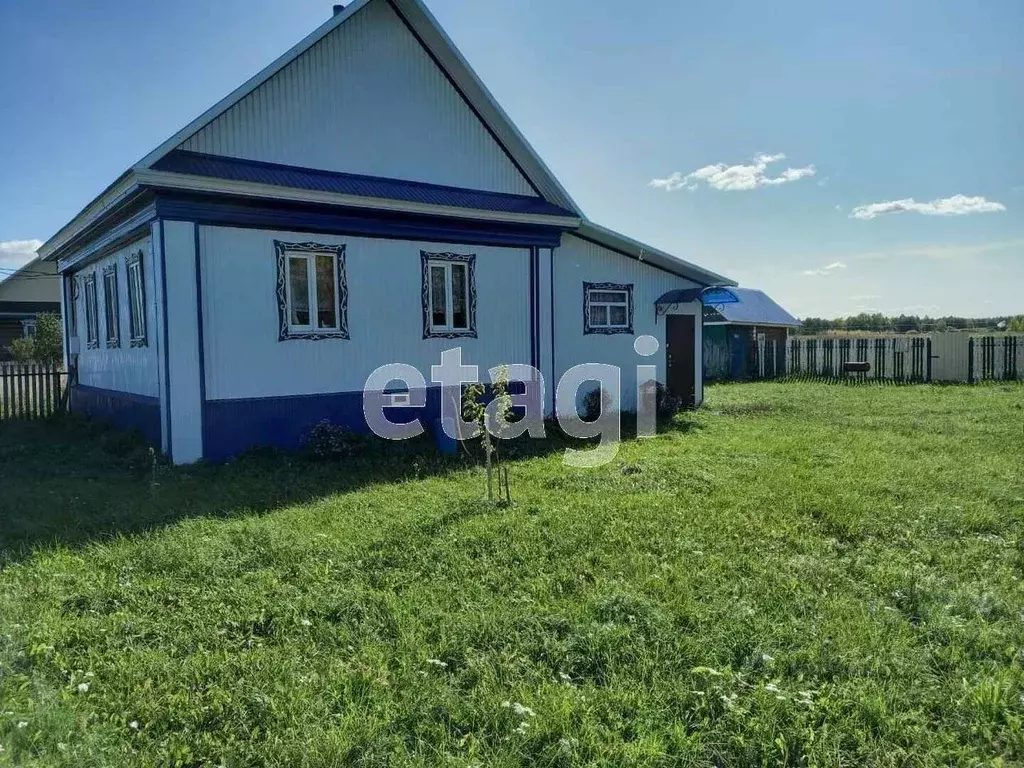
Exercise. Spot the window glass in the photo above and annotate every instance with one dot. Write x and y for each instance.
(326, 292)
(598, 314)
(298, 290)
(617, 314)
(438, 295)
(110, 306)
(137, 302)
(91, 320)
(460, 317)
(608, 296)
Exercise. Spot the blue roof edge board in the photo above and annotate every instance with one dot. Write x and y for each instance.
(297, 177)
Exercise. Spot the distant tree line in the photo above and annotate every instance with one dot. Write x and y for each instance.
(879, 323)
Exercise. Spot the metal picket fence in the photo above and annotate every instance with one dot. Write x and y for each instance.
(952, 357)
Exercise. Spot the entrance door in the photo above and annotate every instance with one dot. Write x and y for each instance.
(680, 354)
(738, 336)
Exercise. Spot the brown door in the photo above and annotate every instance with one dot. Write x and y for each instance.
(679, 351)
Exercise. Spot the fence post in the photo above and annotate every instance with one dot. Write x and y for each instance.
(970, 360)
(928, 352)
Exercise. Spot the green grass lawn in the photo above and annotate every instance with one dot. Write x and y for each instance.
(800, 574)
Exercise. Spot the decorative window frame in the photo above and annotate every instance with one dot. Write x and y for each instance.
(113, 331)
(589, 329)
(73, 320)
(429, 332)
(285, 331)
(137, 336)
(92, 330)
(29, 327)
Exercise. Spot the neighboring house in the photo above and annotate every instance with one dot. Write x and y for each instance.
(32, 290)
(732, 333)
(361, 201)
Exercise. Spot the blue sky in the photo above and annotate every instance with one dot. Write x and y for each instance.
(870, 102)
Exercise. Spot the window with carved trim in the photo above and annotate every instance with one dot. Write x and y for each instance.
(111, 306)
(312, 292)
(449, 295)
(91, 313)
(136, 300)
(607, 308)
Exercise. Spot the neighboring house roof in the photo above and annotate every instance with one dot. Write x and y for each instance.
(26, 309)
(154, 168)
(34, 283)
(753, 308)
(259, 172)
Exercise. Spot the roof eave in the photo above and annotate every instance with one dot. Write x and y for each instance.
(679, 266)
(114, 195)
(206, 184)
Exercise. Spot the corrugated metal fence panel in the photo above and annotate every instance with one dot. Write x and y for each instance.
(950, 361)
(245, 359)
(579, 261)
(936, 357)
(124, 368)
(366, 99)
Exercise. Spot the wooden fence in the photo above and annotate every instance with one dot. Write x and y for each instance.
(31, 390)
(933, 357)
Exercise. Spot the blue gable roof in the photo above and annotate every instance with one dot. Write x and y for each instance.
(753, 308)
(235, 169)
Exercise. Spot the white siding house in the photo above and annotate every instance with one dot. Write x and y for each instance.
(361, 201)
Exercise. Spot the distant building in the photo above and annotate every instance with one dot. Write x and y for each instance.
(33, 289)
(732, 331)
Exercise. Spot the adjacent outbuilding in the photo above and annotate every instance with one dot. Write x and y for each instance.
(745, 338)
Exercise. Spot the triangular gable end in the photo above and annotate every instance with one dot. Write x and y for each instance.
(368, 98)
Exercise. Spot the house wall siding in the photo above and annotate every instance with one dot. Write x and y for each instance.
(579, 261)
(124, 368)
(366, 99)
(244, 358)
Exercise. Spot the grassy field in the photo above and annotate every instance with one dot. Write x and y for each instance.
(799, 574)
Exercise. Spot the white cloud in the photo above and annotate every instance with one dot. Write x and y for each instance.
(734, 178)
(16, 253)
(828, 269)
(957, 205)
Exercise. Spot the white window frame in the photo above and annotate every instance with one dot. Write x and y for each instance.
(449, 296)
(28, 327)
(92, 314)
(111, 307)
(447, 261)
(312, 296)
(309, 253)
(136, 300)
(591, 303)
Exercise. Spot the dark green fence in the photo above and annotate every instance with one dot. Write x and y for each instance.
(31, 390)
